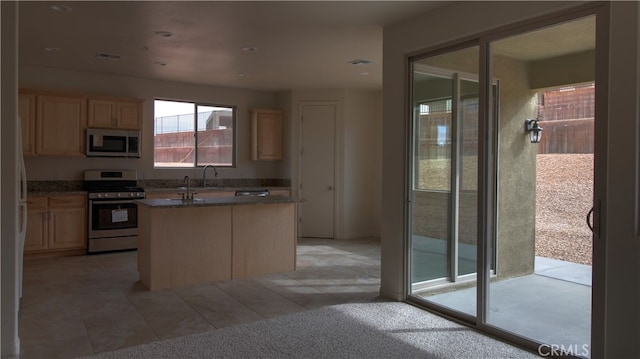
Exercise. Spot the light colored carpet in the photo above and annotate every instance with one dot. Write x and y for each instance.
(360, 330)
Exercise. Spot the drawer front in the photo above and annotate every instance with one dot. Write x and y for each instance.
(36, 202)
(66, 201)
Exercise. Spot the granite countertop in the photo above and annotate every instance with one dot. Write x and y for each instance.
(42, 188)
(215, 201)
(55, 193)
(210, 189)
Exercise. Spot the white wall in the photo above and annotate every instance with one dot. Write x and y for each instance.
(57, 168)
(616, 330)
(358, 148)
(362, 144)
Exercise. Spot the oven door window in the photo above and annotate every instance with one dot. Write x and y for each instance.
(109, 215)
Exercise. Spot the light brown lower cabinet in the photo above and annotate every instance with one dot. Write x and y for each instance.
(280, 192)
(56, 223)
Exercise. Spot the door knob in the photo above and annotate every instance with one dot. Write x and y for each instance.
(330, 188)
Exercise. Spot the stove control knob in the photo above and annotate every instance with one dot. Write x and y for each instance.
(119, 194)
(131, 194)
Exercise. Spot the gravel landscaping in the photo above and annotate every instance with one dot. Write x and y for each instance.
(564, 197)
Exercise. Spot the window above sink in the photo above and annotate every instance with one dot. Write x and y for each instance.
(190, 134)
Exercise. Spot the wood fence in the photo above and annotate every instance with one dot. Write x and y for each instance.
(567, 136)
(214, 146)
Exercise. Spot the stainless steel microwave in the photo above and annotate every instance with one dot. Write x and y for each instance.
(113, 143)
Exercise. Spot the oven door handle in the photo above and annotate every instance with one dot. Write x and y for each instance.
(123, 201)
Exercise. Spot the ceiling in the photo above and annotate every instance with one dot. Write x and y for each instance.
(566, 38)
(262, 45)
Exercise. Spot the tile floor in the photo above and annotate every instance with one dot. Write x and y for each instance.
(76, 306)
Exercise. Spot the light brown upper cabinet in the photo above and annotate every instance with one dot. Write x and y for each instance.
(27, 113)
(115, 113)
(266, 135)
(60, 124)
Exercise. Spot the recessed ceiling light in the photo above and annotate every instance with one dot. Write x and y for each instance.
(243, 74)
(52, 49)
(360, 62)
(61, 8)
(364, 74)
(164, 34)
(250, 49)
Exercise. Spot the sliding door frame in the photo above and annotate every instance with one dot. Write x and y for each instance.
(487, 170)
(454, 183)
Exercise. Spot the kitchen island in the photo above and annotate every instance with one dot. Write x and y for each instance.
(187, 242)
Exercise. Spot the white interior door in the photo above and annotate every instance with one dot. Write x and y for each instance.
(317, 170)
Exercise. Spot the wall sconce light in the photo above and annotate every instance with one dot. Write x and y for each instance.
(534, 130)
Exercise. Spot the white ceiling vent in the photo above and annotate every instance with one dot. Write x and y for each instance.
(360, 62)
(106, 56)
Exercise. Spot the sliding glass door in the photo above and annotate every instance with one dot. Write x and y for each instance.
(497, 235)
(445, 99)
(544, 191)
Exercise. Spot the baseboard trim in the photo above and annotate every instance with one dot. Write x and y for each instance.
(393, 295)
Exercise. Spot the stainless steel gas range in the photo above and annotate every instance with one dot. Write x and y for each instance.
(113, 213)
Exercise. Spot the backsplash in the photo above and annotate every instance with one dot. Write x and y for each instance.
(53, 186)
(221, 182)
(70, 186)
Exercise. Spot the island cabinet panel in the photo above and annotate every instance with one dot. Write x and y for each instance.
(264, 239)
(186, 246)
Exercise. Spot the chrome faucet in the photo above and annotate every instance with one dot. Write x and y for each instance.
(189, 194)
(204, 174)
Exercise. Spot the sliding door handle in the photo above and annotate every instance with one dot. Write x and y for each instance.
(590, 219)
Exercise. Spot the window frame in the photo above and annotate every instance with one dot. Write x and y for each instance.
(196, 104)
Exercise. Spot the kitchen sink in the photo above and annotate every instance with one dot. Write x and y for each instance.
(184, 200)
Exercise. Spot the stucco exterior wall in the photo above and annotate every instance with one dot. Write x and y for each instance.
(516, 171)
